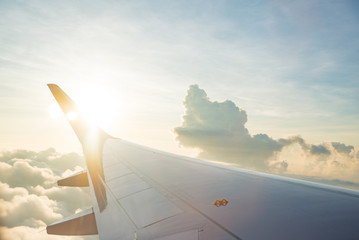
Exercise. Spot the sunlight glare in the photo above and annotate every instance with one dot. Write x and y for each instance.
(71, 116)
(97, 104)
(54, 111)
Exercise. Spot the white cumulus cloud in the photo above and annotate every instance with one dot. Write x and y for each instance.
(218, 130)
(29, 196)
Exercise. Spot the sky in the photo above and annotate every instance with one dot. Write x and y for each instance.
(266, 85)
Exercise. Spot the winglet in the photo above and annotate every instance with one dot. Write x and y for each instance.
(82, 127)
(92, 139)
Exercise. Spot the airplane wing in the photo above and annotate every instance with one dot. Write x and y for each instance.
(142, 193)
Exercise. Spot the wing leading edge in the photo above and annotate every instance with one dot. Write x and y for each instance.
(142, 193)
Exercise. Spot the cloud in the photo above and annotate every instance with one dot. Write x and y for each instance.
(8, 193)
(337, 167)
(29, 196)
(312, 149)
(29, 210)
(342, 148)
(30, 175)
(218, 130)
(320, 149)
(63, 197)
(48, 158)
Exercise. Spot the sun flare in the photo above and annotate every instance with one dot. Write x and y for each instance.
(97, 104)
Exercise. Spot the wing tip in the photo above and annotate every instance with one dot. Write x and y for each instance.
(80, 124)
(52, 86)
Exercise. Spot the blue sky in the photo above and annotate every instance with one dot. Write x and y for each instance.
(292, 65)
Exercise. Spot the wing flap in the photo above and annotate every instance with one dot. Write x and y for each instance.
(77, 180)
(82, 223)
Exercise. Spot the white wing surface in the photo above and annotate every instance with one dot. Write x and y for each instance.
(141, 193)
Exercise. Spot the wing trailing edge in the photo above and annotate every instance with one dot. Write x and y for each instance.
(77, 180)
(82, 223)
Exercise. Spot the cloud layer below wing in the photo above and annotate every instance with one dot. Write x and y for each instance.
(29, 196)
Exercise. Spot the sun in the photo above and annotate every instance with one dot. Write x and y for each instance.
(97, 104)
